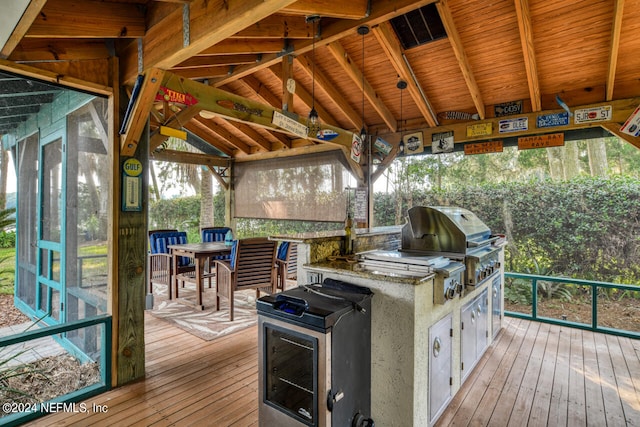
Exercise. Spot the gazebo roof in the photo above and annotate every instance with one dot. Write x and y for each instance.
(465, 62)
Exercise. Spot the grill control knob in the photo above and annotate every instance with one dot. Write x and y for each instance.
(459, 287)
(450, 293)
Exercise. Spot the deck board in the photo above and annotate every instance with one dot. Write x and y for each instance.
(533, 375)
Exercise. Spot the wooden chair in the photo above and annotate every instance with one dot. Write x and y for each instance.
(286, 264)
(160, 262)
(214, 234)
(252, 266)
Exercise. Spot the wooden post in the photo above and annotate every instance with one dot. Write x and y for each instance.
(131, 241)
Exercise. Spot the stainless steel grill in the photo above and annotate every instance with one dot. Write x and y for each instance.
(449, 241)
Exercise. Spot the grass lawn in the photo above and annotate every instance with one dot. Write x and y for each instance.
(7, 266)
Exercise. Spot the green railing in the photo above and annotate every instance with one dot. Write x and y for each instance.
(559, 290)
(16, 414)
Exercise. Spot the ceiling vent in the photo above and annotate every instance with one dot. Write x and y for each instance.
(419, 26)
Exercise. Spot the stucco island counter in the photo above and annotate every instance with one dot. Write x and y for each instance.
(420, 353)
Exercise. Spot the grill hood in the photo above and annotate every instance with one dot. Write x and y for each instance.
(444, 230)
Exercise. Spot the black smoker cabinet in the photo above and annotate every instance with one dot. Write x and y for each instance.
(315, 356)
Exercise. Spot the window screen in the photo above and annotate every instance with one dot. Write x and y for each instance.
(308, 188)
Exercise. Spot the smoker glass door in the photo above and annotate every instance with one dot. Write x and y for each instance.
(291, 361)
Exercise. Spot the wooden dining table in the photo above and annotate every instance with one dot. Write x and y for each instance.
(200, 253)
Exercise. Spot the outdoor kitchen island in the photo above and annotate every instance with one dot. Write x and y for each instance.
(428, 327)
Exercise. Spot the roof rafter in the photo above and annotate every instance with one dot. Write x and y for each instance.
(306, 97)
(211, 21)
(342, 57)
(338, 99)
(383, 11)
(277, 27)
(88, 19)
(528, 51)
(176, 121)
(28, 16)
(223, 133)
(353, 9)
(204, 132)
(615, 45)
(463, 61)
(395, 53)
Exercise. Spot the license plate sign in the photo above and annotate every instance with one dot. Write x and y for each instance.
(593, 114)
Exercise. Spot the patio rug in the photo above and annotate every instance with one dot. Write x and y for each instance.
(207, 324)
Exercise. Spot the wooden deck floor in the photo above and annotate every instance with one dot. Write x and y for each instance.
(533, 375)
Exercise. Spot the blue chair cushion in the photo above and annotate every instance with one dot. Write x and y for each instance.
(159, 243)
(282, 251)
(233, 255)
(215, 235)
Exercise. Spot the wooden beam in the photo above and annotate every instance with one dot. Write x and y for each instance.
(528, 51)
(203, 72)
(244, 46)
(287, 79)
(216, 61)
(88, 19)
(355, 74)
(218, 176)
(322, 81)
(621, 110)
(33, 50)
(28, 16)
(277, 27)
(615, 46)
(234, 107)
(353, 9)
(394, 51)
(253, 134)
(210, 21)
(176, 121)
(463, 61)
(140, 113)
(189, 158)
(614, 128)
(307, 98)
(262, 91)
(56, 78)
(216, 125)
(205, 133)
(383, 11)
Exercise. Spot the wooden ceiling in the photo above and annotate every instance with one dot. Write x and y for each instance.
(582, 52)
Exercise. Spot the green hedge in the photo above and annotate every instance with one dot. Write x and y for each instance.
(585, 228)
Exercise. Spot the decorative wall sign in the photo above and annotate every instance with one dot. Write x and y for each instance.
(513, 125)
(508, 108)
(132, 185)
(361, 205)
(480, 129)
(326, 134)
(458, 115)
(236, 106)
(356, 148)
(483, 147)
(413, 143)
(287, 123)
(632, 125)
(382, 146)
(593, 114)
(541, 141)
(442, 142)
(552, 120)
(170, 95)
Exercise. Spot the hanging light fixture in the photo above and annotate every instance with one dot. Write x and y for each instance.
(402, 85)
(313, 114)
(363, 30)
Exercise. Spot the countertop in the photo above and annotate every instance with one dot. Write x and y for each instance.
(358, 270)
